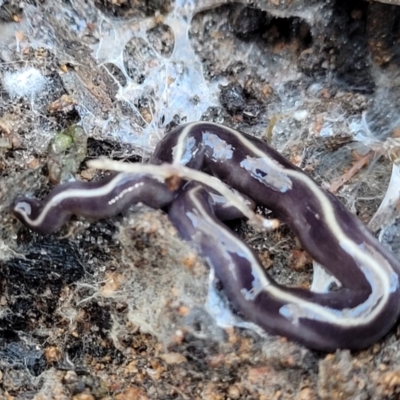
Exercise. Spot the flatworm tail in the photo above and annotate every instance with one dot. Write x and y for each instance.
(368, 302)
(355, 315)
(346, 318)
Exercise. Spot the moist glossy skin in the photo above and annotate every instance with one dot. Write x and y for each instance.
(261, 300)
(354, 316)
(101, 199)
(366, 306)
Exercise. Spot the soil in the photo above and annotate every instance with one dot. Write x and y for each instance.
(115, 309)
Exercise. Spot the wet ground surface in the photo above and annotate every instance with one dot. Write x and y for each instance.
(116, 308)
